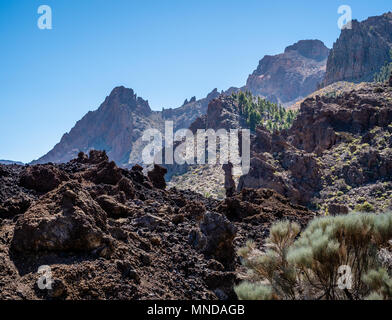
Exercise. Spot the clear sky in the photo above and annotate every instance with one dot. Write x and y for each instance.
(166, 50)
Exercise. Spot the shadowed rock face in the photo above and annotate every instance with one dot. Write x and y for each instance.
(292, 75)
(157, 176)
(359, 53)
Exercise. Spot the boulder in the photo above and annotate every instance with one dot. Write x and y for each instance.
(42, 178)
(337, 209)
(66, 219)
(157, 176)
(219, 233)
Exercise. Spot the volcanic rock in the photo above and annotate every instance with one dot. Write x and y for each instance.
(42, 178)
(157, 176)
(66, 219)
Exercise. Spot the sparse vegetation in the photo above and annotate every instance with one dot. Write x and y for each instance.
(258, 111)
(385, 71)
(365, 207)
(310, 267)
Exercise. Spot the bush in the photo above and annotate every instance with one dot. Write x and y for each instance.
(364, 207)
(309, 266)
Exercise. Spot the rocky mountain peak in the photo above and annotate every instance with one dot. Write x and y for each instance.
(121, 96)
(312, 49)
(301, 68)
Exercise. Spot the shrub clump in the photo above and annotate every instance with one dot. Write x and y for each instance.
(364, 207)
(309, 265)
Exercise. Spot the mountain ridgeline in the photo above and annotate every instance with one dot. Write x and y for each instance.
(360, 54)
(117, 127)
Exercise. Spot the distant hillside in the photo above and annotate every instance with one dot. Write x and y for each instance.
(238, 111)
(7, 162)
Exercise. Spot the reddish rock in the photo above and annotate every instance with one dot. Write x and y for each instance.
(337, 209)
(113, 208)
(66, 219)
(42, 178)
(219, 233)
(194, 210)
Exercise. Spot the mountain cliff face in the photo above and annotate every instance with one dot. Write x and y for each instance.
(190, 111)
(359, 53)
(117, 127)
(292, 75)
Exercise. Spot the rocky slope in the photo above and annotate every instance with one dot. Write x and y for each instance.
(292, 75)
(337, 156)
(117, 126)
(223, 113)
(359, 53)
(111, 233)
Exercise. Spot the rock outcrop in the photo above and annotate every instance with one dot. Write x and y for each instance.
(229, 181)
(42, 178)
(66, 219)
(360, 52)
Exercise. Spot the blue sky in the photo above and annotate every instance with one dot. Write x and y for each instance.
(166, 51)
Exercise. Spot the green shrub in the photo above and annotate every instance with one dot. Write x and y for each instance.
(308, 267)
(364, 207)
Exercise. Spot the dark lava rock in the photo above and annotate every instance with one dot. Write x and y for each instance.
(157, 176)
(42, 178)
